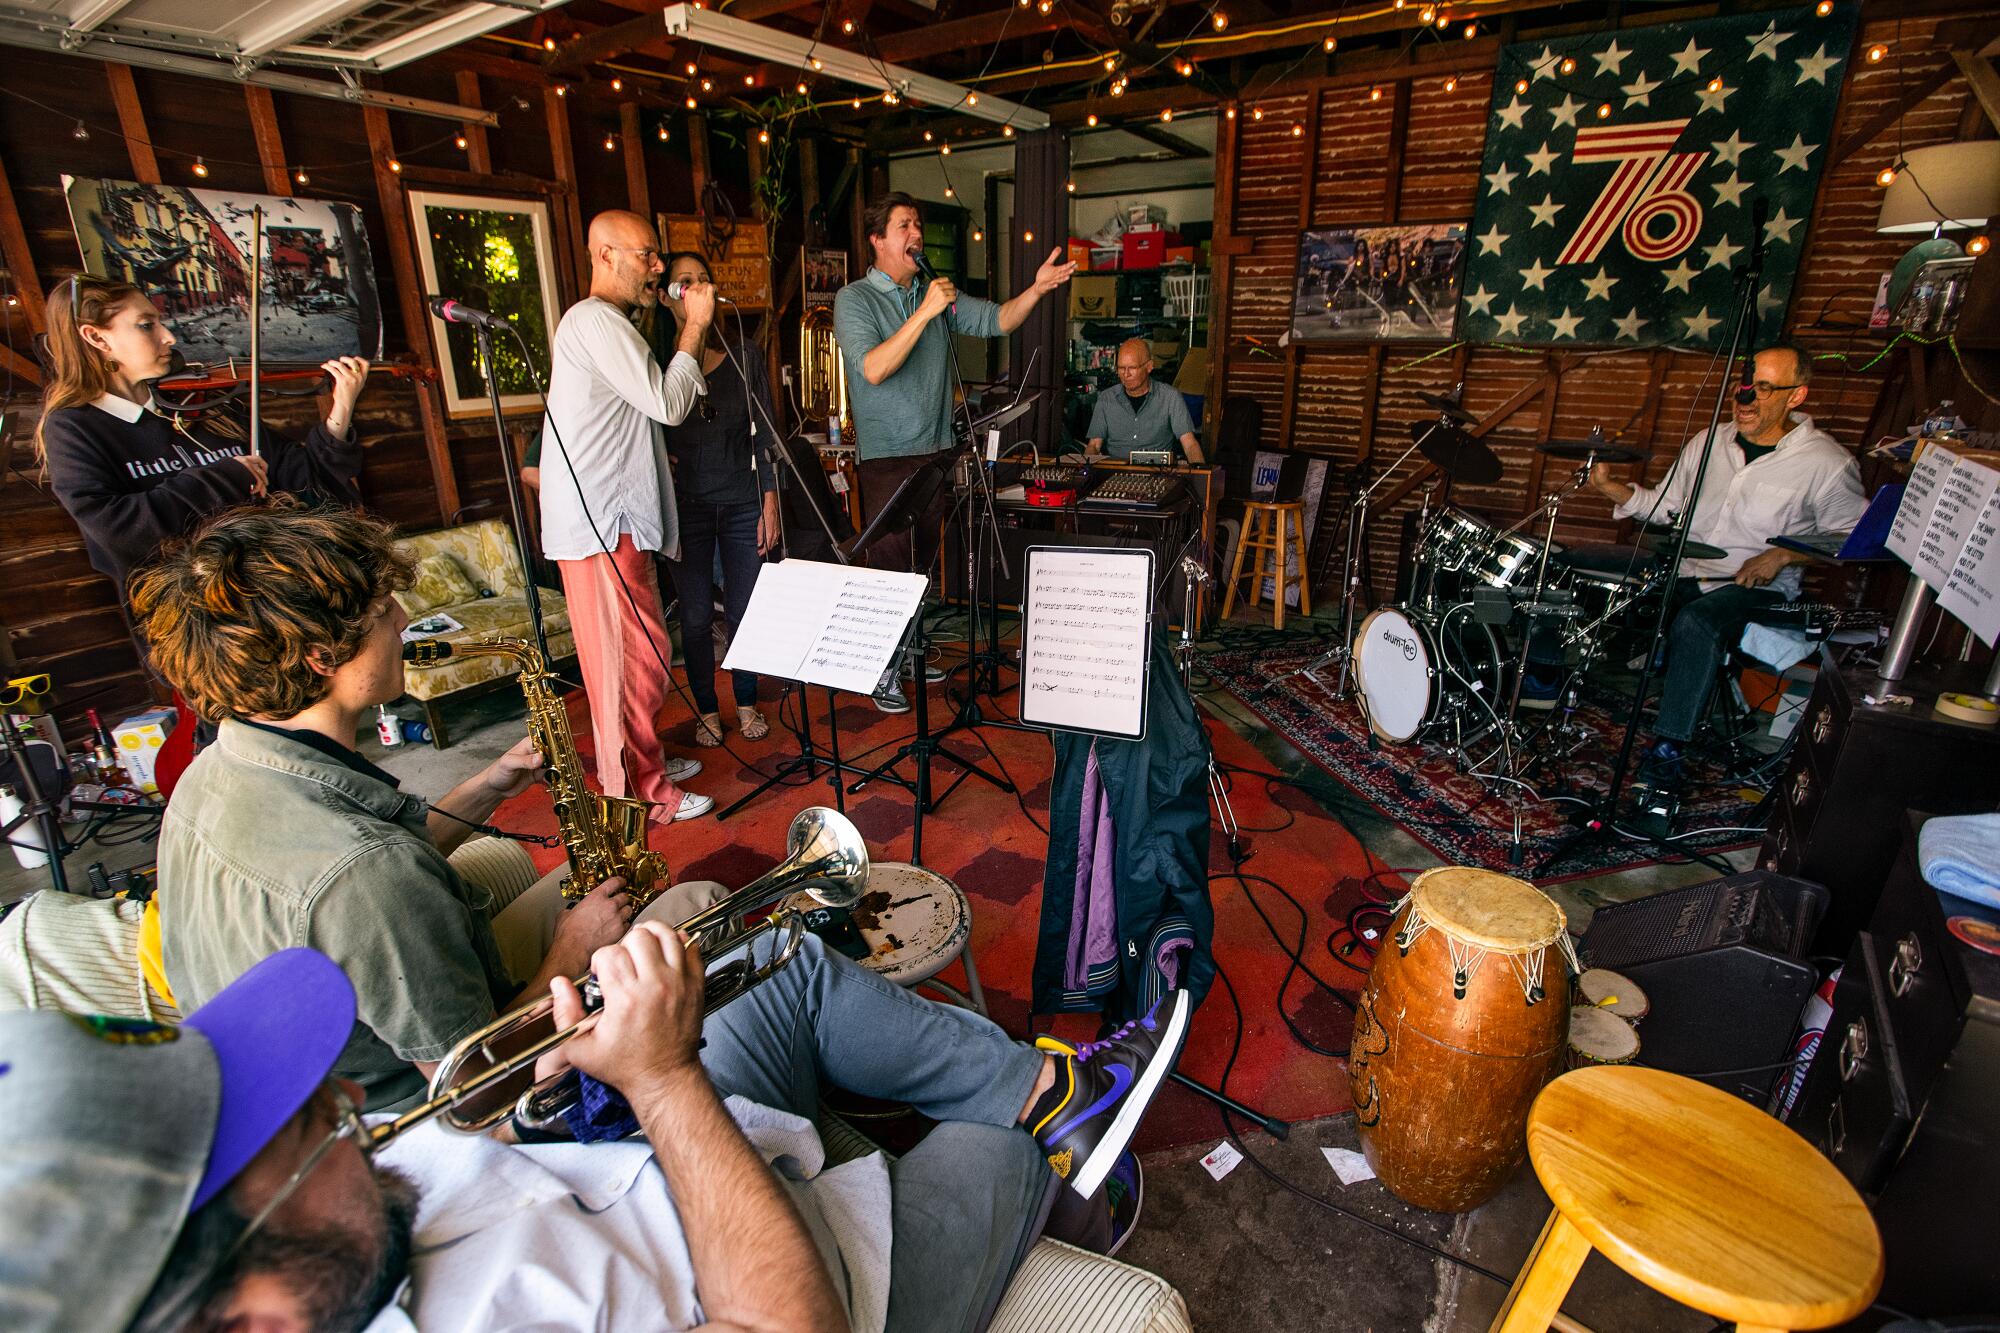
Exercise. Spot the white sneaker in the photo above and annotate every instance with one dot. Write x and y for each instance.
(680, 770)
(693, 805)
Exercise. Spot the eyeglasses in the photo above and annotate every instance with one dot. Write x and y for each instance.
(646, 253)
(1765, 388)
(347, 1123)
(22, 688)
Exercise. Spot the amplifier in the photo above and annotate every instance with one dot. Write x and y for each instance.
(1724, 966)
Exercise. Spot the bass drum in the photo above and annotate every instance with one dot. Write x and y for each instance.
(1407, 668)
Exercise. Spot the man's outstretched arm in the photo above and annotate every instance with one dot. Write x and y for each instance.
(1052, 274)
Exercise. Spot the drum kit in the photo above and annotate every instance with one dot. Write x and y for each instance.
(1485, 607)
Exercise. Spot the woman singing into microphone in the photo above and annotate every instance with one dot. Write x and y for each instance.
(728, 503)
(133, 475)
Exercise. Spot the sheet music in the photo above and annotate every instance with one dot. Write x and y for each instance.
(1973, 591)
(1086, 637)
(824, 624)
(1913, 516)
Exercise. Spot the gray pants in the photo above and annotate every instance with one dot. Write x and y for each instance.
(968, 1201)
(1704, 628)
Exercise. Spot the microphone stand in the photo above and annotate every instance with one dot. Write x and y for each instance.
(511, 475)
(1601, 823)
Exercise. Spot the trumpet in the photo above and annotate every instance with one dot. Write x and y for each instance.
(825, 858)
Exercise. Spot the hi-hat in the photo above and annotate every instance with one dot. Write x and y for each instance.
(1462, 457)
(1448, 407)
(1660, 541)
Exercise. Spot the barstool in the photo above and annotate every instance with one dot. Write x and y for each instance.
(1700, 1196)
(915, 924)
(1265, 524)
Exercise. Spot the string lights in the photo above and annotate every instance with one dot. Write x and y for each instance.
(1219, 21)
(200, 168)
(1876, 52)
(81, 133)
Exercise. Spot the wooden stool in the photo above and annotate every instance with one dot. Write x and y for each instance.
(916, 923)
(1264, 531)
(1700, 1196)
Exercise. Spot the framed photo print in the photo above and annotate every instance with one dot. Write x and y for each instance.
(497, 254)
(1366, 283)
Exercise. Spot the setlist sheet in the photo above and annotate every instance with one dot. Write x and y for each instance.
(1913, 516)
(824, 624)
(1973, 591)
(1086, 639)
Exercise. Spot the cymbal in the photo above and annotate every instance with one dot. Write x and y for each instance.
(1447, 407)
(1597, 449)
(1661, 542)
(1462, 457)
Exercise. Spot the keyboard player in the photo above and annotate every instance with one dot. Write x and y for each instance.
(1139, 413)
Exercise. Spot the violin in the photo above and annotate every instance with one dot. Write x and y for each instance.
(199, 388)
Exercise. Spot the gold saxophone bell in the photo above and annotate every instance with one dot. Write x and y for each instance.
(825, 858)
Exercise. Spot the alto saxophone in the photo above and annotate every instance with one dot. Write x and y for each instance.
(603, 835)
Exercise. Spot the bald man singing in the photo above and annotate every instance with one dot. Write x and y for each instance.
(1130, 415)
(608, 501)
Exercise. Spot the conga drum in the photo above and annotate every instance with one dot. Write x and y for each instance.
(1464, 1016)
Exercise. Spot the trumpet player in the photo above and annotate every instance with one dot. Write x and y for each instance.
(281, 625)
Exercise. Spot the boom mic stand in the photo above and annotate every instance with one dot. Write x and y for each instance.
(511, 475)
(1602, 821)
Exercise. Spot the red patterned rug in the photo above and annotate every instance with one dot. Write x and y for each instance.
(1459, 818)
(994, 849)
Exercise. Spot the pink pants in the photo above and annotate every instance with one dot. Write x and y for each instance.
(623, 679)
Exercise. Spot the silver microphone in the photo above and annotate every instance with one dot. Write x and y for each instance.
(674, 291)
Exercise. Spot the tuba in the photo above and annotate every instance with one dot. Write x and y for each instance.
(822, 372)
(471, 1090)
(603, 835)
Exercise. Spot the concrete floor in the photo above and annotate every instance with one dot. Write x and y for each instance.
(1246, 1254)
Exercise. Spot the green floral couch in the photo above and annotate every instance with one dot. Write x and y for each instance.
(472, 574)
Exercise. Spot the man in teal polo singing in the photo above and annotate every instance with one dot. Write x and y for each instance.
(1136, 413)
(898, 359)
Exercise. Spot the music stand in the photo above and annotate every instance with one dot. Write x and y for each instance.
(905, 507)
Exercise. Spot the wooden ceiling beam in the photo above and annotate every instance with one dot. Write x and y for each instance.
(605, 43)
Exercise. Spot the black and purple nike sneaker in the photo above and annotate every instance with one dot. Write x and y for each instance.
(1102, 1090)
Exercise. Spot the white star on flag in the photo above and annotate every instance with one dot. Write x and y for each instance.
(1813, 68)
(1501, 181)
(1699, 325)
(1795, 157)
(1564, 112)
(1545, 212)
(1610, 58)
(1689, 59)
(1732, 149)
(1545, 64)
(1491, 242)
(1639, 92)
(1510, 323)
(1680, 275)
(1599, 286)
(1720, 253)
(1566, 323)
(1479, 300)
(1765, 43)
(1730, 191)
(1541, 161)
(1778, 231)
(1711, 99)
(1534, 275)
(1510, 115)
(1629, 326)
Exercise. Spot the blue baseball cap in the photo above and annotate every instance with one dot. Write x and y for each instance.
(117, 1129)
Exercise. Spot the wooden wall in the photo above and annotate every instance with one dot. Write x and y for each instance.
(421, 469)
(1413, 156)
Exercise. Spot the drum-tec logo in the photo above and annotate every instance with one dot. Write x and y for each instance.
(1409, 646)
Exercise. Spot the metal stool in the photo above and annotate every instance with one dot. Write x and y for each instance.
(916, 923)
(1265, 525)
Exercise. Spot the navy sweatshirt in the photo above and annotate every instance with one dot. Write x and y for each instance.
(133, 484)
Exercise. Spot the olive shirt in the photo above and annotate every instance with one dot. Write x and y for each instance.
(272, 842)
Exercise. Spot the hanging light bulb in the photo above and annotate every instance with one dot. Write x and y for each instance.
(617, 85)
(13, 300)
(1715, 84)
(1185, 68)
(1568, 65)
(1230, 114)
(978, 233)
(763, 136)
(394, 166)
(1166, 113)
(1978, 245)
(201, 168)
(1876, 52)
(1117, 90)
(749, 80)
(857, 104)
(1007, 130)
(81, 133)
(1110, 63)
(1471, 31)
(1444, 20)
(1328, 43)
(847, 26)
(1520, 85)
(1399, 4)
(802, 87)
(1604, 110)
(1823, 8)
(548, 43)
(1374, 94)
(1451, 83)
(1028, 236)
(928, 136)
(948, 192)
(818, 64)
(460, 142)
(562, 90)
(1091, 120)
(610, 143)
(1219, 20)
(1256, 113)
(691, 68)
(1298, 130)
(944, 150)
(1886, 176)
(663, 132)
(1426, 14)
(692, 104)
(300, 176)
(1069, 187)
(1045, 5)
(972, 99)
(708, 85)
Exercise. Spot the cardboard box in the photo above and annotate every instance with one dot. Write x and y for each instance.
(1192, 377)
(1145, 249)
(1093, 297)
(1079, 253)
(139, 739)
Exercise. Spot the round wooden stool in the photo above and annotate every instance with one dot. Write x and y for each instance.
(1700, 1196)
(1266, 527)
(916, 923)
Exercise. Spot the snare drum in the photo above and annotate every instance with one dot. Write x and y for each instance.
(1406, 669)
(1458, 1027)
(1596, 1037)
(1512, 560)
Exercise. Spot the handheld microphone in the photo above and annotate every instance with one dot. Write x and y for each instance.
(675, 290)
(456, 312)
(930, 274)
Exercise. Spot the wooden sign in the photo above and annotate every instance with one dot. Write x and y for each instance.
(741, 266)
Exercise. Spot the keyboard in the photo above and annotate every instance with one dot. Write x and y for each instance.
(1135, 489)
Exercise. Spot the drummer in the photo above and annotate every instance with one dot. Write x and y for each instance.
(1772, 473)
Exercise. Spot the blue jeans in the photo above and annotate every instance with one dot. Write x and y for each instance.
(968, 1202)
(709, 530)
(1706, 625)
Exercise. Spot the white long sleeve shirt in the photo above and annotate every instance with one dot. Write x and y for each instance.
(609, 403)
(1807, 486)
(572, 1236)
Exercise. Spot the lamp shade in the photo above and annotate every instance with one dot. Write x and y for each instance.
(1950, 185)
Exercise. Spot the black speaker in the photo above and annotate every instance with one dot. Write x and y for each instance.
(1238, 438)
(1724, 968)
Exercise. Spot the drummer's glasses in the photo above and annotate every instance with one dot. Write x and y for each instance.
(1750, 393)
